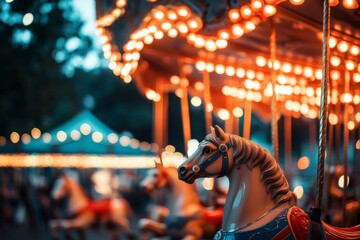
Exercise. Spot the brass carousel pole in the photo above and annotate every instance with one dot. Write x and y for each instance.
(160, 116)
(287, 143)
(346, 144)
(185, 114)
(247, 119)
(274, 117)
(230, 105)
(207, 100)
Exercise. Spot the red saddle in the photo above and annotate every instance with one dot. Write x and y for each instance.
(299, 225)
(213, 216)
(99, 207)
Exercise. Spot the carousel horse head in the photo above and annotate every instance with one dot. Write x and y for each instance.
(156, 178)
(219, 154)
(211, 159)
(259, 201)
(61, 188)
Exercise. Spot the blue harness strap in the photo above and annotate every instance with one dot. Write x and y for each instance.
(222, 151)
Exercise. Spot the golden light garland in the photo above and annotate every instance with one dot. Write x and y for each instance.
(173, 21)
(76, 161)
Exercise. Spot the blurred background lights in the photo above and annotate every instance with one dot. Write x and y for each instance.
(112, 138)
(35, 133)
(2, 141)
(195, 101)
(124, 141)
(238, 112)
(170, 149)
(46, 137)
(341, 181)
(28, 19)
(14, 137)
(26, 138)
(224, 114)
(97, 136)
(85, 129)
(75, 135)
(61, 136)
(303, 163)
(192, 146)
(208, 183)
(299, 191)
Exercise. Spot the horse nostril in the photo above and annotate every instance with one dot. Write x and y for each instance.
(182, 171)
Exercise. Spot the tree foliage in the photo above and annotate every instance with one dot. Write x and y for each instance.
(42, 80)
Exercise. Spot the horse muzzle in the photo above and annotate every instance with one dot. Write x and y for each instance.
(188, 176)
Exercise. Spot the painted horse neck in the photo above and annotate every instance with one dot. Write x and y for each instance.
(183, 199)
(248, 201)
(77, 198)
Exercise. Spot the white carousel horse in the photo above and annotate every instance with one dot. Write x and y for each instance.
(84, 212)
(183, 217)
(259, 204)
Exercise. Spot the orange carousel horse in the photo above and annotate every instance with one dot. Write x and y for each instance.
(259, 204)
(84, 213)
(182, 216)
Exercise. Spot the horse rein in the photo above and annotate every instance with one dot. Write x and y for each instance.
(222, 151)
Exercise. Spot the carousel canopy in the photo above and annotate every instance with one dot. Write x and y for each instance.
(83, 134)
(173, 46)
(81, 142)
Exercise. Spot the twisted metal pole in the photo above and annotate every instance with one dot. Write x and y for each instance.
(323, 104)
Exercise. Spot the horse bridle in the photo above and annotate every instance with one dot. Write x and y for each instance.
(222, 151)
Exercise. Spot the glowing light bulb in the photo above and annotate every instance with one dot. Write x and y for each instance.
(335, 61)
(195, 101)
(224, 114)
(350, 4)
(297, 2)
(260, 61)
(343, 46)
(234, 15)
(237, 30)
(332, 42)
(269, 10)
(210, 45)
(333, 2)
(183, 11)
(350, 65)
(245, 12)
(159, 15)
(356, 77)
(223, 34)
(249, 26)
(354, 50)
(256, 4)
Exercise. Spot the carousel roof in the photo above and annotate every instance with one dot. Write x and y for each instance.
(166, 45)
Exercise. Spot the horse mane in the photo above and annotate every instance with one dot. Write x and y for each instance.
(271, 175)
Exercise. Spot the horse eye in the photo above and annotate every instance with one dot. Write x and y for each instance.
(207, 150)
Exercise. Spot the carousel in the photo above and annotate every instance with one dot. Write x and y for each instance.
(266, 94)
(280, 61)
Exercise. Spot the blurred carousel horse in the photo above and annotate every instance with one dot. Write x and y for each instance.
(335, 198)
(182, 216)
(259, 204)
(84, 212)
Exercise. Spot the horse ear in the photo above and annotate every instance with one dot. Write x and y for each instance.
(212, 130)
(158, 165)
(220, 133)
